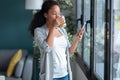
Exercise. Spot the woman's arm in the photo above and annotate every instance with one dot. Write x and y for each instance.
(50, 37)
(78, 37)
(52, 30)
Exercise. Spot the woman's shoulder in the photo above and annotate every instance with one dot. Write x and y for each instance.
(40, 28)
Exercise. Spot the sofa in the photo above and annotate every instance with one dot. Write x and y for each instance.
(23, 69)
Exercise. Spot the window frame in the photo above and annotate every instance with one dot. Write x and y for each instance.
(89, 72)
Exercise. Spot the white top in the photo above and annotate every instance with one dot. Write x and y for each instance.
(46, 53)
(59, 57)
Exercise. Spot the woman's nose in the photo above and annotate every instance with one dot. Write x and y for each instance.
(58, 15)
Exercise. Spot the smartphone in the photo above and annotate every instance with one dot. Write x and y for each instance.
(84, 25)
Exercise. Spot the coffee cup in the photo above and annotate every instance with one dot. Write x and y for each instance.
(63, 24)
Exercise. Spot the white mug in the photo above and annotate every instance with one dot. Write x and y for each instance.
(63, 25)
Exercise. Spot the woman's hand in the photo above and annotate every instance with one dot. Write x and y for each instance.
(79, 34)
(78, 37)
(60, 21)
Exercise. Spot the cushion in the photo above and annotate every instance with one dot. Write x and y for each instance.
(20, 65)
(5, 57)
(14, 60)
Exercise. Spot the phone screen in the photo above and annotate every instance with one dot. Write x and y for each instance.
(84, 25)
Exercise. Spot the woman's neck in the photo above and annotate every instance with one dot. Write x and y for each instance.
(48, 24)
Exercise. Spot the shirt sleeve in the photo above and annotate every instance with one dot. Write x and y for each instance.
(39, 37)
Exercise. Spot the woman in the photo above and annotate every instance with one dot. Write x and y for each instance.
(53, 42)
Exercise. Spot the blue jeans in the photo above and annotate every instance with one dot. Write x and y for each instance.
(62, 78)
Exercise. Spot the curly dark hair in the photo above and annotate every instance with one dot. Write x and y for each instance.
(39, 19)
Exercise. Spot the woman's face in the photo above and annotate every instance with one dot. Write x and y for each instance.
(53, 13)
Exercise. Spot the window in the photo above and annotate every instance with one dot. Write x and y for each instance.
(116, 42)
(99, 38)
(79, 19)
(86, 55)
(100, 48)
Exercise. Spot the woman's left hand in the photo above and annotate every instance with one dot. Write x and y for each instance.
(79, 34)
(78, 37)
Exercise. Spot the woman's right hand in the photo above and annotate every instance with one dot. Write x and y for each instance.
(59, 21)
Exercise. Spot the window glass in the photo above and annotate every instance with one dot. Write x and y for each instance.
(86, 52)
(79, 13)
(116, 44)
(99, 38)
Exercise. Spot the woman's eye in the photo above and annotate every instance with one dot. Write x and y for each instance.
(54, 13)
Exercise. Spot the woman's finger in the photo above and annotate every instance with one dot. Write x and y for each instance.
(60, 20)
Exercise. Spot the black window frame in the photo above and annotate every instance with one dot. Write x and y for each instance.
(89, 72)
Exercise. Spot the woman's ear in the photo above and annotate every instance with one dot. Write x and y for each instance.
(45, 15)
